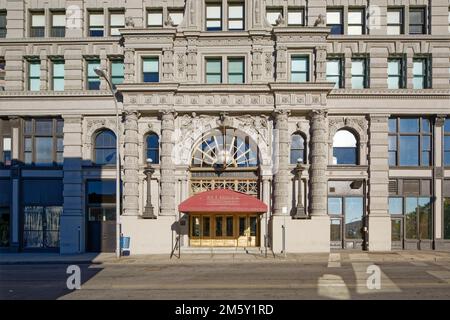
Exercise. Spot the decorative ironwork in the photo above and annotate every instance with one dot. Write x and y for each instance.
(249, 187)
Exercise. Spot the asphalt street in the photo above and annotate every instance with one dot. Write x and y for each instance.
(223, 279)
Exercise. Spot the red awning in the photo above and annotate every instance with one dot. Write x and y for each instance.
(222, 201)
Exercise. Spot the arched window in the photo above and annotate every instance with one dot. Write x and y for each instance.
(105, 148)
(345, 150)
(298, 148)
(152, 148)
(225, 149)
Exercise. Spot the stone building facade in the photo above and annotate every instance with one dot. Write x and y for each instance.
(334, 114)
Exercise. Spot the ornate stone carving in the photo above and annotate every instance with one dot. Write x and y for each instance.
(320, 21)
(129, 22)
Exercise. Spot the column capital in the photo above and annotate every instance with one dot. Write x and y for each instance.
(318, 113)
(14, 121)
(72, 118)
(132, 114)
(167, 113)
(440, 119)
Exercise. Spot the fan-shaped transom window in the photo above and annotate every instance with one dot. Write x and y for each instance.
(345, 148)
(105, 148)
(298, 148)
(152, 148)
(225, 149)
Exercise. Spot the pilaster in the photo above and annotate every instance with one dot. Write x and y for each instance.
(131, 165)
(318, 168)
(167, 165)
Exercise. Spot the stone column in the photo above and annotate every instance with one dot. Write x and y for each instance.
(131, 165)
(167, 166)
(379, 221)
(318, 168)
(129, 66)
(44, 70)
(72, 218)
(438, 175)
(281, 176)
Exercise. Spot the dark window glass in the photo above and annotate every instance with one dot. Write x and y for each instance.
(195, 226)
(410, 142)
(447, 142)
(396, 230)
(230, 232)
(253, 226)
(219, 225)
(153, 148)
(2, 24)
(242, 226)
(105, 148)
(206, 226)
(335, 230)
(417, 21)
(298, 153)
(4, 227)
(446, 218)
(411, 218)
(101, 192)
(425, 223)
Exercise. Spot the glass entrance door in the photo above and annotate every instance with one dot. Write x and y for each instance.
(347, 222)
(217, 230)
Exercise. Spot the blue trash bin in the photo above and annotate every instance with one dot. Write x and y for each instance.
(125, 245)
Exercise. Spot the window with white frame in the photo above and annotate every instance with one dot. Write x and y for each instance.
(300, 68)
(356, 21)
(58, 24)
(235, 16)
(116, 22)
(176, 15)
(96, 24)
(155, 18)
(273, 14)
(296, 17)
(213, 16)
(37, 24)
(395, 21)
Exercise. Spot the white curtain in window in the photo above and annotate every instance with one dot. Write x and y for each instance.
(38, 20)
(59, 20)
(96, 19)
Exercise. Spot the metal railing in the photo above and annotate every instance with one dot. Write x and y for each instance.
(176, 247)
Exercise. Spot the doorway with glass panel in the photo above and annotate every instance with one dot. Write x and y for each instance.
(346, 208)
(223, 230)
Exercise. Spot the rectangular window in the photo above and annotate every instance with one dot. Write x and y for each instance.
(34, 75)
(176, 16)
(37, 25)
(236, 72)
(116, 22)
(447, 218)
(235, 16)
(334, 72)
(300, 68)
(421, 76)
(360, 75)
(296, 17)
(395, 21)
(334, 21)
(155, 18)
(229, 226)
(356, 22)
(58, 75)
(395, 205)
(150, 69)
(213, 17)
(219, 227)
(242, 226)
(447, 142)
(2, 74)
(417, 21)
(410, 142)
(117, 72)
(96, 25)
(273, 14)
(43, 142)
(6, 159)
(93, 81)
(213, 70)
(2, 24)
(396, 73)
(206, 226)
(58, 24)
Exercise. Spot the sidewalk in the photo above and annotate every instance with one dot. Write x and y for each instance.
(205, 258)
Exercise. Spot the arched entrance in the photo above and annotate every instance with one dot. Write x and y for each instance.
(225, 170)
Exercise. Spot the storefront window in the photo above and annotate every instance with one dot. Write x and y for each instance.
(447, 218)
